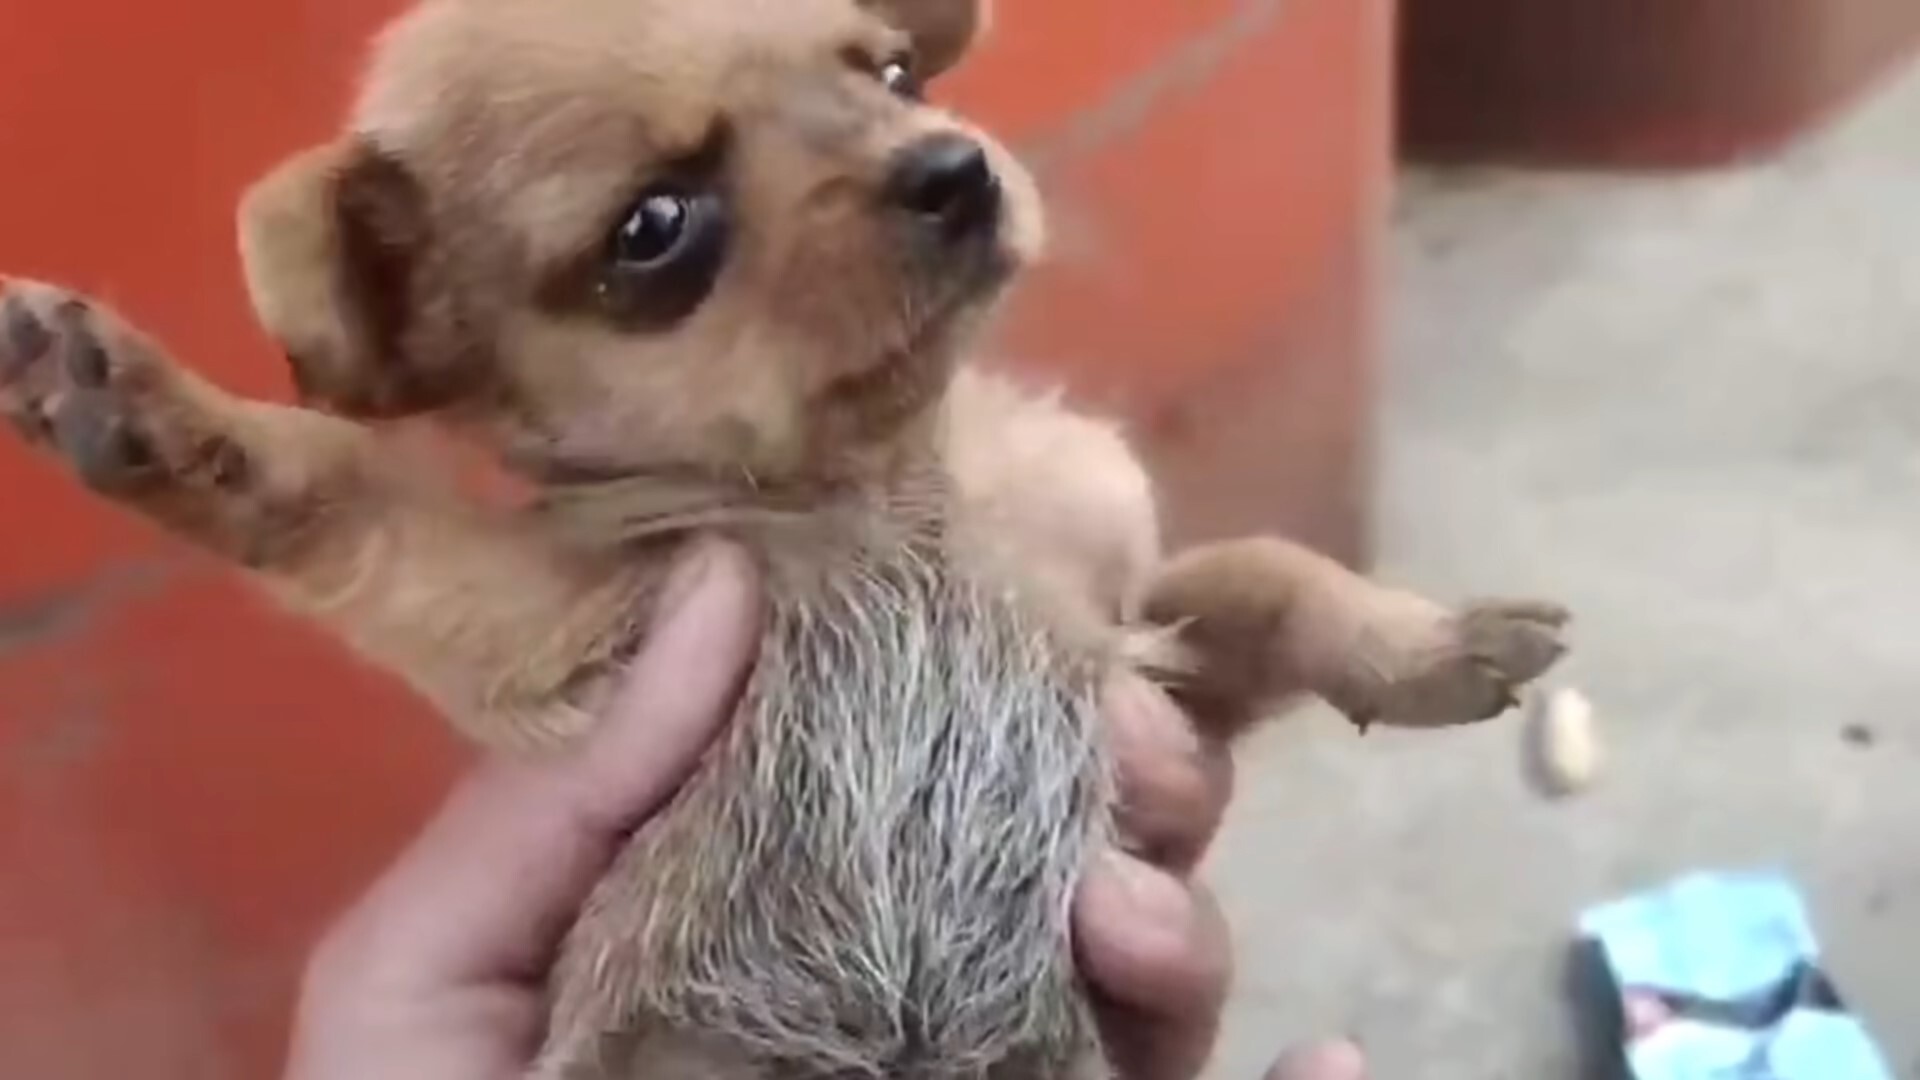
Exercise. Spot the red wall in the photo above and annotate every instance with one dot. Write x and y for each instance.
(189, 784)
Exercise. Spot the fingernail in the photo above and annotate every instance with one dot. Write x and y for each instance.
(1342, 1060)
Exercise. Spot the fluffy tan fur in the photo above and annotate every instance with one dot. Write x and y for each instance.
(870, 877)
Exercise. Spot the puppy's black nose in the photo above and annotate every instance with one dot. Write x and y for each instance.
(946, 182)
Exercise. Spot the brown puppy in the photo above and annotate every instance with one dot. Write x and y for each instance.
(712, 267)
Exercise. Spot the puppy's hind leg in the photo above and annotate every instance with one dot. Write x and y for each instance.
(477, 613)
(1261, 620)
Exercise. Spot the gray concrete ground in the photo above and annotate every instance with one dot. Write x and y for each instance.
(1690, 408)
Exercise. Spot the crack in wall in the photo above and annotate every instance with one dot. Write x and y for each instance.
(63, 612)
(1130, 106)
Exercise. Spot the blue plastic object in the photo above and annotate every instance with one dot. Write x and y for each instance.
(1719, 978)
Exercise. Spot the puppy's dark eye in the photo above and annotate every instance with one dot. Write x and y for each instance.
(664, 255)
(653, 231)
(897, 76)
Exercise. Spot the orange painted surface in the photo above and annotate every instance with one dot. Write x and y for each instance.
(190, 783)
(1213, 274)
(1048, 61)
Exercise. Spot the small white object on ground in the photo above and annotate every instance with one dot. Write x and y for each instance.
(1564, 743)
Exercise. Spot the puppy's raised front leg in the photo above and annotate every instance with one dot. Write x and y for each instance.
(476, 612)
(1262, 620)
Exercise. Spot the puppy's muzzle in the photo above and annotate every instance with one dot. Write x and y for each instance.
(947, 186)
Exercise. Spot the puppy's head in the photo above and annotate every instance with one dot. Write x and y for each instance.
(624, 234)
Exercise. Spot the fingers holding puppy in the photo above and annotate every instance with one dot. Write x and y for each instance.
(1174, 783)
(1154, 945)
(1155, 949)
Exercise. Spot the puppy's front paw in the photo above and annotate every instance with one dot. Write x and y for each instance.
(78, 381)
(1435, 668)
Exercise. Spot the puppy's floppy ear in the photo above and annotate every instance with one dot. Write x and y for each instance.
(942, 30)
(333, 242)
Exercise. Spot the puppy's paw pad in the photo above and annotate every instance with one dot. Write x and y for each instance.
(24, 337)
(1470, 667)
(1519, 639)
(75, 379)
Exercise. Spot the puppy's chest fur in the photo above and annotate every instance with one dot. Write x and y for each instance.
(872, 875)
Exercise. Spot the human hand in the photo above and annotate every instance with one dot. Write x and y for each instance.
(1333, 1061)
(437, 972)
(1150, 938)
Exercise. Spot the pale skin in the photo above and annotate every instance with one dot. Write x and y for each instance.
(435, 974)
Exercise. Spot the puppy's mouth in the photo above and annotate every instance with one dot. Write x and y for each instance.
(906, 379)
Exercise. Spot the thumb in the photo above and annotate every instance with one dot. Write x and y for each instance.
(515, 850)
(681, 691)
(1331, 1061)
